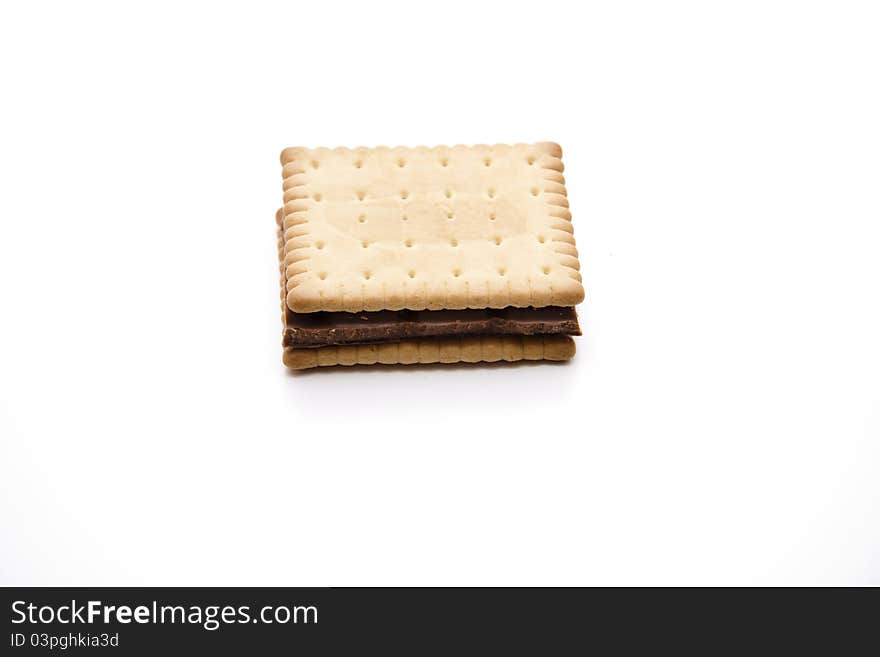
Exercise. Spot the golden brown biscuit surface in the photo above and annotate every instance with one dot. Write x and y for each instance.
(427, 228)
(480, 349)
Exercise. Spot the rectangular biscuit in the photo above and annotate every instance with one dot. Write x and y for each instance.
(415, 248)
(427, 228)
(485, 349)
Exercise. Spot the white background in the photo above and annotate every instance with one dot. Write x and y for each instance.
(719, 425)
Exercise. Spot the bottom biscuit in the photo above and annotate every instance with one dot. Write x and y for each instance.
(485, 349)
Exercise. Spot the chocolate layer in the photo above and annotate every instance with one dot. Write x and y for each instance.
(329, 328)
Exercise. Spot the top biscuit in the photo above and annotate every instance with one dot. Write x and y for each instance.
(457, 227)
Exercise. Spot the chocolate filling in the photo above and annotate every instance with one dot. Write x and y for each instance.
(331, 328)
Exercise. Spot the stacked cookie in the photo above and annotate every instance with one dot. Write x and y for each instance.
(426, 255)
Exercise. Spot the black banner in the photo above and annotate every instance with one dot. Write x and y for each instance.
(151, 621)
